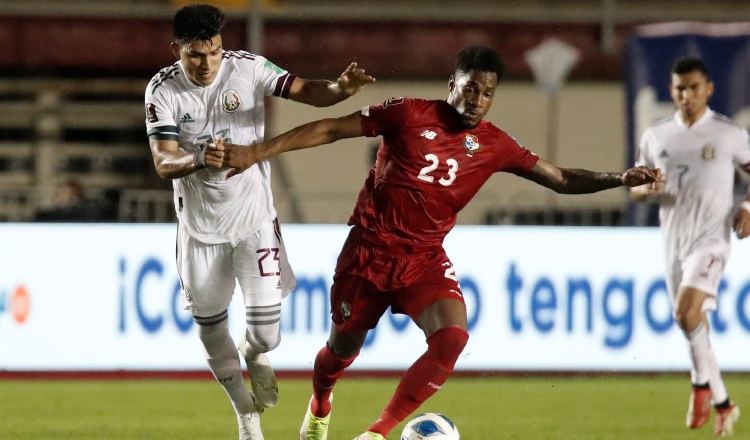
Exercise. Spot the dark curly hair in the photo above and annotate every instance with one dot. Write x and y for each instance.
(197, 22)
(482, 58)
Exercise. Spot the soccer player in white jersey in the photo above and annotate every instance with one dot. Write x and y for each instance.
(697, 150)
(228, 230)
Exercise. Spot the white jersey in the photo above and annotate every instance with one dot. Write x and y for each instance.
(212, 209)
(698, 164)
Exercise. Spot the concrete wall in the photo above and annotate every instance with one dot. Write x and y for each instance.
(324, 182)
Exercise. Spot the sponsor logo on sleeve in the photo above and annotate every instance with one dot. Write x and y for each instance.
(274, 67)
(151, 113)
(393, 101)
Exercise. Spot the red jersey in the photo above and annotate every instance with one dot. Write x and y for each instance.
(428, 168)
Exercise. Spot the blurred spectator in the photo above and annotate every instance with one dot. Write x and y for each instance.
(73, 205)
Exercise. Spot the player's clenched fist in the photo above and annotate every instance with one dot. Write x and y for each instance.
(642, 175)
(237, 157)
(213, 152)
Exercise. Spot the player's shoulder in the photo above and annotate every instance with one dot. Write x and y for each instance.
(404, 101)
(234, 61)
(410, 107)
(725, 122)
(165, 78)
(488, 129)
(661, 126)
(489, 126)
(662, 123)
(431, 111)
(239, 56)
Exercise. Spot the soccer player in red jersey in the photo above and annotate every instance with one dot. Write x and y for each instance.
(434, 157)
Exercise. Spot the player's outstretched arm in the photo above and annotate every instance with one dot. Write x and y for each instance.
(324, 131)
(580, 181)
(323, 93)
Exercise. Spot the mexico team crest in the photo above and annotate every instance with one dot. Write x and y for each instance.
(471, 144)
(231, 101)
(708, 152)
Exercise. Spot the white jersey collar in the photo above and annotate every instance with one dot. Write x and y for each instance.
(706, 116)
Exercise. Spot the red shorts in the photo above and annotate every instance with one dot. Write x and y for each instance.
(368, 281)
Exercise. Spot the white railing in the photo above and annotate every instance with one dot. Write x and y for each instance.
(37, 155)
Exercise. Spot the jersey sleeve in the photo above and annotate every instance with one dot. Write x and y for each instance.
(160, 121)
(516, 157)
(381, 119)
(741, 150)
(642, 157)
(274, 80)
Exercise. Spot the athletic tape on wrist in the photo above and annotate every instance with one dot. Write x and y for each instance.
(746, 206)
(199, 158)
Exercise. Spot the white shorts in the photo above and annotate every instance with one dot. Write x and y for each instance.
(208, 271)
(701, 270)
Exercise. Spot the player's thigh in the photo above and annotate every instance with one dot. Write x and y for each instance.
(261, 267)
(356, 303)
(702, 271)
(206, 275)
(433, 299)
(673, 278)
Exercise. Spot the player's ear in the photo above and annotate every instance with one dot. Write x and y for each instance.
(451, 83)
(175, 49)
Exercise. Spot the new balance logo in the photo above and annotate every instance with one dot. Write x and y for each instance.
(186, 118)
(428, 134)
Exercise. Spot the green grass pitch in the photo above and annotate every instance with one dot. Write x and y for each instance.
(484, 408)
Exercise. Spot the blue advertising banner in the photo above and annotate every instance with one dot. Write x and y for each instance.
(650, 52)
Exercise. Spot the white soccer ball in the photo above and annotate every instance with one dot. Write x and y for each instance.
(430, 426)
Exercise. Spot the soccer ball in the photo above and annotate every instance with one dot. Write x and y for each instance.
(430, 426)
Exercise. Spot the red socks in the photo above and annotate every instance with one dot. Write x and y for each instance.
(328, 368)
(423, 378)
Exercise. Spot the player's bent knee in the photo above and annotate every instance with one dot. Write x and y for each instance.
(263, 343)
(448, 343)
(687, 319)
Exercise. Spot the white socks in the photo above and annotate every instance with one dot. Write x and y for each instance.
(705, 368)
(224, 362)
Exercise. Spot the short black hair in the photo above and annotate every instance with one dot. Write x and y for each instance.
(688, 64)
(197, 22)
(482, 58)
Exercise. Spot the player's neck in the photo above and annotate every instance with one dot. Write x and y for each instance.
(691, 118)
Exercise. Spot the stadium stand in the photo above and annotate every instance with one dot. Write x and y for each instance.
(70, 113)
